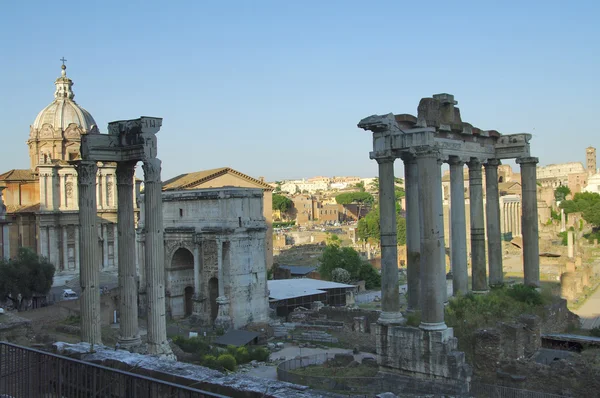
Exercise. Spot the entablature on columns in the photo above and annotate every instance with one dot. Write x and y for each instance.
(127, 140)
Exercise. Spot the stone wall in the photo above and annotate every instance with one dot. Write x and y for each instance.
(349, 317)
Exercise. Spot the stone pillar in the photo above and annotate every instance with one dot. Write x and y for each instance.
(116, 239)
(104, 246)
(478, 265)
(77, 248)
(492, 207)
(98, 191)
(570, 246)
(65, 247)
(44, 241)
(458, 226)
(196, 270)
(413, 234)
(223, 318)
(53, 247)
(563, 221)
(63, 192)
(433, 274)
(128, 306)
(155, 258)
(390, 293)
(529, 224)
(88, 251)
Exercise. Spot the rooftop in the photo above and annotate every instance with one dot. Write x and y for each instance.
(282, 289)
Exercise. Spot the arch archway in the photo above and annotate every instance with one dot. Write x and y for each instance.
(182, 258)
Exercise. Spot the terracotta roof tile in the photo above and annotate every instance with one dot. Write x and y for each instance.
(18, 175)
(189, 180)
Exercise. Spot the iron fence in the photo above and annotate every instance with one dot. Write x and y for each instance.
(26, 372)
(481, 390)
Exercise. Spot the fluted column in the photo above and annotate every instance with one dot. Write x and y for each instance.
(65, 247)
(478, 265)
(433, 273)
(196, 270)
(529, 221)
(460, 276)
(390, 293)
(155, 257)
(413, 233)
(88, 252)
(116, 239)
(220, 268)
(125, 236)
(77, 248)
(492, 207)
(223, 318)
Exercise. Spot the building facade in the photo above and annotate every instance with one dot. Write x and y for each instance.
(42, 201)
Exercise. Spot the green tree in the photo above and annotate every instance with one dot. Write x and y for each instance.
(25, 275)
(561, 193)
(588, 203)
(370, 275)
(368, 227)
(360, 186)
(339, 257)
(333, 239)
(282, 203)
(354, 197)
(374, 185)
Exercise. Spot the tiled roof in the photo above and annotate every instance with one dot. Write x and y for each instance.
(190, 180)
(18, 175)
(34, 208)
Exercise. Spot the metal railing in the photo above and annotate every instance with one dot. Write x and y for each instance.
(26, 372)
(481, 390)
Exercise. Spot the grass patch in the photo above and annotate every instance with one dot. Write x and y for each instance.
(72, 320)
(343, 371)
(468, 313)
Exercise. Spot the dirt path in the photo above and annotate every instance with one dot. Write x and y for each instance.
(589, 312)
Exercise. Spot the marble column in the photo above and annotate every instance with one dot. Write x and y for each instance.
(155, 259)
(116, 240)
(44, 241)
(63, 192)
(223, 318)
(478, 265)
(529, 221)
(220, 267)
(104, 246)
(433, 274)
(77, 248)
(563, 224)
(413, 233)
(53, 247)
(98, 191)
(458, 226)
(570, 244)
(494, 235)
(128, 307)
(390, 293)
(88, 251)
(65, 247)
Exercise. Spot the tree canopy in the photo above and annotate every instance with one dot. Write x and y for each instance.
(368, 227)
(25, 275)
(588, 203)
(347, 198)
(335, 257)
(561, 193)
(282, 203)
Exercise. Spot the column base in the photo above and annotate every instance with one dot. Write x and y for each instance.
(391, 318)
(163, 351)
(129, 343)
(480, 291)
(433, 326)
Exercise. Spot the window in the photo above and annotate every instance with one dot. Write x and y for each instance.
(180, 212)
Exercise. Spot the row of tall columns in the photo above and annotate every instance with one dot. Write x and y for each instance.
(390, 293)
(88, 252)
(413, 234)
(155, 257)
(529, 217)
(511, 216)
(128, 305)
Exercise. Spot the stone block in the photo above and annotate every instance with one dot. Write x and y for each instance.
(487, 348)
(513, 340)
(533, 333)
(568, 286)
(570, 266)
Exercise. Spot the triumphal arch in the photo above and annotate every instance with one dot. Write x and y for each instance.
(127, 142)
(436, 136)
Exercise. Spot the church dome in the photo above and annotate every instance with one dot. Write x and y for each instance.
(64, 111)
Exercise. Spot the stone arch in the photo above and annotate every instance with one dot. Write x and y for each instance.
(182, 258)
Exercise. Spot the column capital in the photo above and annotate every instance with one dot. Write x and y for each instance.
(125, 172)
(474, 163)
(408, 157)
(492, 163)
(152, 168)
(456, 161)
(530, 160)
(385, 159)
(86, 171)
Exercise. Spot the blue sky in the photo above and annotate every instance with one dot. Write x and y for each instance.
(276, 88)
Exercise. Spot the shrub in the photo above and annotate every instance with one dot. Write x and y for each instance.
(340, 275)
(260, 354)
(595, 331)
(227, 361)
(193, 345)
(242, 355)
(210, 361)
(525, 294)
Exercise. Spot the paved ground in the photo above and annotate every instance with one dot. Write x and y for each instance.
(291, 351)
(589, 312)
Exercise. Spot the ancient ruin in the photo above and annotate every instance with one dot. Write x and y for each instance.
(438, 135)
(127, 143)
